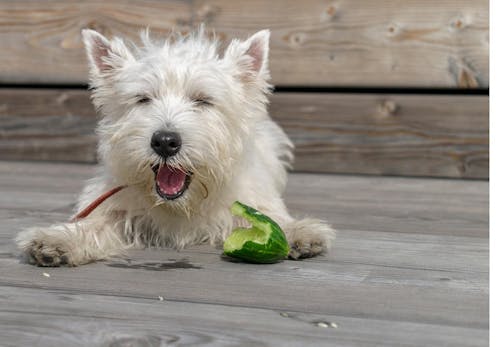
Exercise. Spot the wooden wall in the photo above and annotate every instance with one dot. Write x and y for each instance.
(361, 45)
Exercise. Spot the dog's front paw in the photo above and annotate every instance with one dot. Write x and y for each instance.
(308, 238)
(42, 248)
(42, 254)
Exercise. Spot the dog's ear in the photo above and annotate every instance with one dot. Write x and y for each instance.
(252, 55)
(258, 49)
(104, 55)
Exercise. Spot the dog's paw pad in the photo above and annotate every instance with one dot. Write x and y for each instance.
(42, 254)
(308, 238)
(300, 249)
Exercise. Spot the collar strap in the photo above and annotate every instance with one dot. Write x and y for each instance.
(94, 204)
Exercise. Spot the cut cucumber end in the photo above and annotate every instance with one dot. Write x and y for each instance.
(238, 209)
(264, 242)
(239, 236)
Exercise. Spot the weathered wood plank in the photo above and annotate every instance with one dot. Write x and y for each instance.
(379, 287)
(362, 42)
(341, 43)
(46, 124)
(355, 290)
(428, 267)
(419, 135)
(401, 205)
(393, 204)
(121, 321)
(44, 39)
(386, 249)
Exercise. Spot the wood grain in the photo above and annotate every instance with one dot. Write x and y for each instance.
(420, 43)
(416, 135)
(412, 287)
(367, 203)
(364, 43)
(403, 294)
(82, 319)
(47, 124)
(44, 39)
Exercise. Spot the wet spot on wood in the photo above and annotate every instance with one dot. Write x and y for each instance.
(65, 298)
(156, 266)
(142, 341)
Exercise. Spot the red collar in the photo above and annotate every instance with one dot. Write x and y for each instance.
(93, 205)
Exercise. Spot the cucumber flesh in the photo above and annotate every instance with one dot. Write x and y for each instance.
(264, 242)
(242, 235)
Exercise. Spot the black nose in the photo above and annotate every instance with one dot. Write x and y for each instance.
(166, 143)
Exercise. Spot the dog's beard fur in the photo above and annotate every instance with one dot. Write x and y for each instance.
(205, 156)
(173, 75)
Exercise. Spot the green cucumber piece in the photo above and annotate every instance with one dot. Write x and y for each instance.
(264, 242)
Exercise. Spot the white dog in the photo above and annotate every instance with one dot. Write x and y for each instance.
(187, 131)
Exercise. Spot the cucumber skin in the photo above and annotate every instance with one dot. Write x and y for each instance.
(276, 247)
(261, 254)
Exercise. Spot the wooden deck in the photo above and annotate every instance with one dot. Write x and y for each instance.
(410, 268)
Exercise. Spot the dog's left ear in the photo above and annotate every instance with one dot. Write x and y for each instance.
(104, 55)
(252, 55)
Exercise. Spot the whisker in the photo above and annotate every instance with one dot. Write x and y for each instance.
(206, 190)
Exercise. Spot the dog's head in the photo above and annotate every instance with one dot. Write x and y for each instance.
(176, 115)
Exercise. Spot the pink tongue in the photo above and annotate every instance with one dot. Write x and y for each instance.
(170, 180)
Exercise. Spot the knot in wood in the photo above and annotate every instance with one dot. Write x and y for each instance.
(297, 39)
(388, 108)
(331, 11)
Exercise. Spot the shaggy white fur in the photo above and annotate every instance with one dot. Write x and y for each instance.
(231, 150)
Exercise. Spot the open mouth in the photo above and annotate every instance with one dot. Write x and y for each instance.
(171, 182)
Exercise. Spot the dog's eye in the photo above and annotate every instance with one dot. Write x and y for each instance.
(142, 99)
(203, 101)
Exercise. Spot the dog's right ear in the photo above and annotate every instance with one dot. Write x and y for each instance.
(251, 56)
(104, 55)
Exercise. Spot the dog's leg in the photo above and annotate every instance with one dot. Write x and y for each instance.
(72, 243)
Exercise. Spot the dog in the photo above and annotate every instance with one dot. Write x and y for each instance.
(184, 126)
